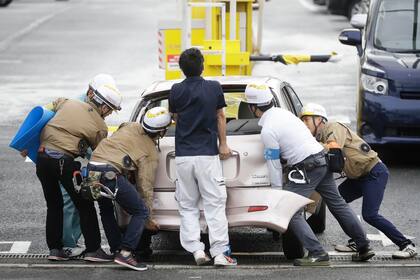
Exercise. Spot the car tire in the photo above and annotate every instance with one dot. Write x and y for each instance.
(317, 221)
(4, 3)
(292, 247)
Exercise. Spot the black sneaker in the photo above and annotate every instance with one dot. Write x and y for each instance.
(313, 260)
(130, 262)
(58, 255)
(98, 256)
(363, 254)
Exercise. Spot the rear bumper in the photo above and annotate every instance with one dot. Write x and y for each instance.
(389, 120)
(281, 206)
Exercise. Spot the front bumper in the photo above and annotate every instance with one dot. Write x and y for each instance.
(389, 120)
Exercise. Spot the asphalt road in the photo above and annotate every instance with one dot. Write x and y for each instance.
(261, 274)
(52, 48)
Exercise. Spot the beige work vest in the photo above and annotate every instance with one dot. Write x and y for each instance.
(360, 158)
(73, 121)
(130, 139)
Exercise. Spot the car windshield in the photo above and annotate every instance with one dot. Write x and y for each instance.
(240, 120)
(396, 28)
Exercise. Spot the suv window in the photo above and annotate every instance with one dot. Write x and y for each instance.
(239, 119)
(396, 26)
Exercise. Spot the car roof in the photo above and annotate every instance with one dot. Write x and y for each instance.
(165, 85)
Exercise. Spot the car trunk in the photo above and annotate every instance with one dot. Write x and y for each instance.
(245, 168)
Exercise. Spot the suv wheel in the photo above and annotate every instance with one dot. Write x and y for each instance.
(318, 220)
(292, 247)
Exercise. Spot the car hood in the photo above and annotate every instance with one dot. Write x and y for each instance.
(402, 68)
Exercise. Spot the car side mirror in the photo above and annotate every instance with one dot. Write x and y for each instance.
(358, 21)
(352, 37)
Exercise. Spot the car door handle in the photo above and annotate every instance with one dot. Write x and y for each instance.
(170, 156)
(237, 158)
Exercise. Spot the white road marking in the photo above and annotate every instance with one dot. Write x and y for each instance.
(18, 247)
(12, 38)
(384, 239)
(10, 61)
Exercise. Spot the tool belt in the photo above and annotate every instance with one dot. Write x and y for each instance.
(92, 188)
(312, 162)
(297, 173)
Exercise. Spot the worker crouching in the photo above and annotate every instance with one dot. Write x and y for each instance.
(131, 150)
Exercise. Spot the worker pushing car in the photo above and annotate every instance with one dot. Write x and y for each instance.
(197, 106)
(286, 137)
(366, 174)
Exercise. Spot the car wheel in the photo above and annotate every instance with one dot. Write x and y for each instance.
(357, 7)
(4, 3)
(318, 220)
(292, 247)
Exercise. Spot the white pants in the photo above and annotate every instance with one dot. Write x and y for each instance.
(200, 177)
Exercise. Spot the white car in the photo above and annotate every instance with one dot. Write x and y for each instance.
(251, 200)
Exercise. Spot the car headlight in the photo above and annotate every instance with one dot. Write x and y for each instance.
(374, 84)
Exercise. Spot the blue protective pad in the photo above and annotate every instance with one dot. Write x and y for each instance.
(27, 137)
(271, 154)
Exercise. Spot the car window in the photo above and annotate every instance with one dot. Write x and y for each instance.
(297, 104)
(292, 99)
(396, 27)
(239, 119)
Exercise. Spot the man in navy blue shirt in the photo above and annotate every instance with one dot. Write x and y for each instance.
(197, 106)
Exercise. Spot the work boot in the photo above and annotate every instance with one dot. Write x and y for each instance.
(98, 256)
(313, 260)
(201, 257)
(350, 247)
(407, 252)
(58, 255)
(130, 262)
(363, 254)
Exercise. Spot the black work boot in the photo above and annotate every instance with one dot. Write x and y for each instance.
(363, 254)
(313, 260)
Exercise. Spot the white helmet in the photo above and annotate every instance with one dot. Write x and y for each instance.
(313, 109)
(109, 95)
(258, 94)
(156, 120)
(101, 80)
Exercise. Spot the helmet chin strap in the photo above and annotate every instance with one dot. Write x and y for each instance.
(316, 126)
